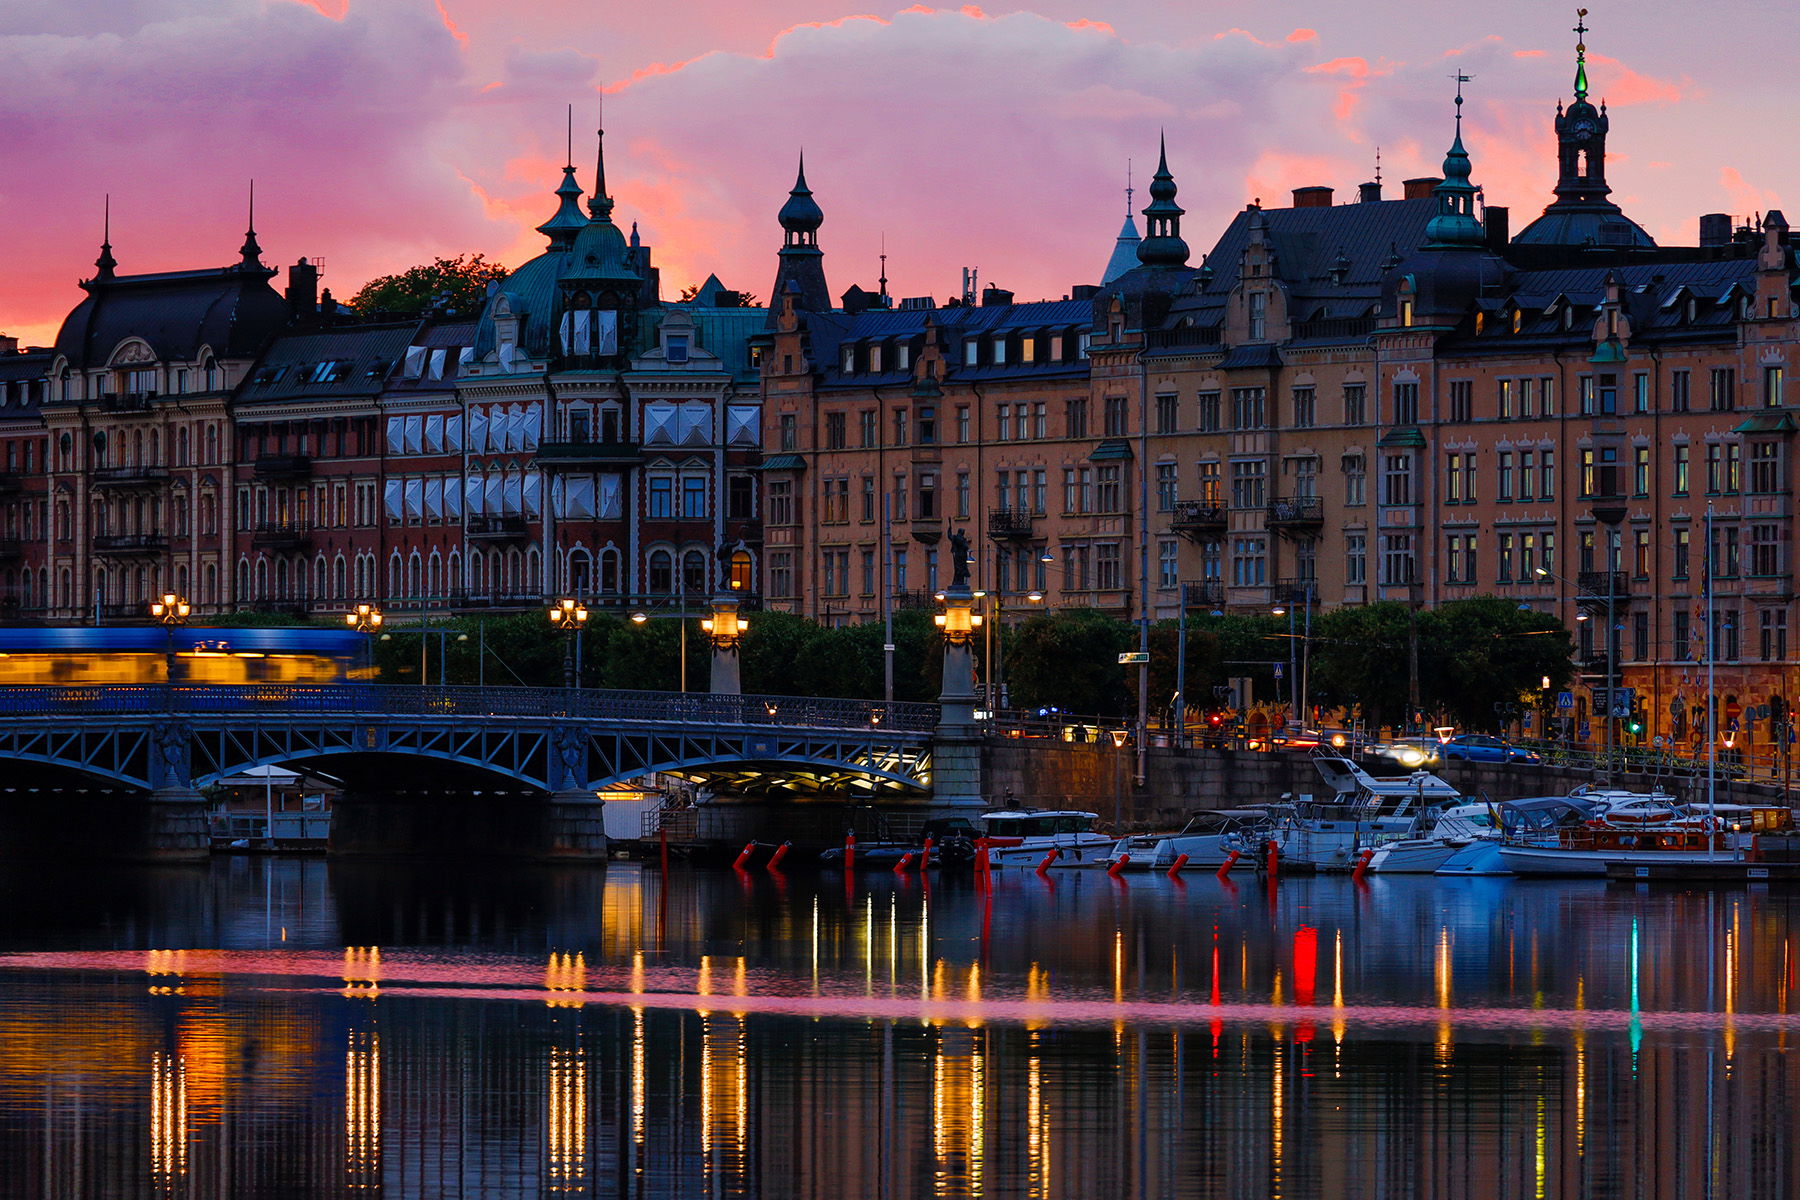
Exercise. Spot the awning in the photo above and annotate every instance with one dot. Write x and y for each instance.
(1403, 437)
(1111, 450)
(784, 462)
(1769, 422)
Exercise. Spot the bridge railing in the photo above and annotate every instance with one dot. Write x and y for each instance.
(358, 699)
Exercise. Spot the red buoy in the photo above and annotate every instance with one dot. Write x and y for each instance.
(743, 857)
(1175, 867)
(850, 851)
(1048, 859)
(780, 853)
(1362, 864)
(1274, 859)
(1118, 865)
(1230, 862)
(905, 862)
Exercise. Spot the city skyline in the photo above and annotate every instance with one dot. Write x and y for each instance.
(457, 111)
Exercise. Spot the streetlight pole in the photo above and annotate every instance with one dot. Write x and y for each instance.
(1180, 713)
(170, 610)
(569, 616)
(365, 619)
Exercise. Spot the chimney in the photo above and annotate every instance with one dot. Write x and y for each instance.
(1420, 189)
(8, 344)
(1368, 193)
(303, 289)
(1498, 219)
(992, 295)
(1715, 229)
(1312, 197)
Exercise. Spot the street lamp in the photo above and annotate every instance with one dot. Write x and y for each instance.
(569, 616)
(724, 628)
(365, 619)
(170, 610)
(1610, 634)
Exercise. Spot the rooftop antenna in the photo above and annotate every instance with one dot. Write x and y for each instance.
(1378, 166)
(1128, 189)
(884, 292)
(569, 141)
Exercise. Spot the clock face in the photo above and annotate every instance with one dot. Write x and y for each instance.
(1583, 129)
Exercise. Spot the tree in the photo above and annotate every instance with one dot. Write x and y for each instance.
(1360, 660)
(458, 284)
(1069, 660)
(1486, 651)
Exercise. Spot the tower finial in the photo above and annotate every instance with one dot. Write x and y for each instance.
(250, 250)
(1378, 166)
(883, 291)
(600, 205)
(106, 262)
(1460, 80)
(1581, 82)
(569, 141)
(1128, 189)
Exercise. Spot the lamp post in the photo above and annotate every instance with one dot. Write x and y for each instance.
(170, 610)
(724, 629)
(958, 624)
(365, 619)
(1587, 595)
(569, 616)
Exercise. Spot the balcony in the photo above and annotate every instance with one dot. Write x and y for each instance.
(127, 401)
(1599, 585)
(1296, 591)
(1198, 519)
(1183, 337)
(10, 482)
(279, 535)
(919, 601)
(284, 466)
(129, 477)
(584, 453)
(1203, 593)
(1005, 525)
(1297, 514)
(927, 531)
(130, 543)
(502, 528)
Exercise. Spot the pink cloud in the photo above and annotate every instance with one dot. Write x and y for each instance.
(450, 25)
(1746, 198)
(1303, 35)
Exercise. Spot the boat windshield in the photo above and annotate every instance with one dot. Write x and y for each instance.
(1225, 820)
(1543, 815)
(1038, 824)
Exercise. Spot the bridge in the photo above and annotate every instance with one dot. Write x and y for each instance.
(551, 747)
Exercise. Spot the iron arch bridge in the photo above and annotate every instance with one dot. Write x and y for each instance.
(549, 739)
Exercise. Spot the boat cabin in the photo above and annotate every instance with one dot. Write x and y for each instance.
(1026, 822)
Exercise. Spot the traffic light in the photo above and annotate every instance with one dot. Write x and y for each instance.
(1634, 721)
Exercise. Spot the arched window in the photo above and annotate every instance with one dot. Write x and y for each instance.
(694, 573)
(532, 571)
(434, 572)
(477, 574)
(212, 445)
(395, 572)
(243, 581)
(65, 586)
(262, 579)
(453, 580)
(661, 578)
(210, 584)
(181, 580)
(339, 578)
(414, 571)
(609, 570)
(580, 573)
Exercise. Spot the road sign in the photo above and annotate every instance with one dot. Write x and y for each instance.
(1565, 699)
(1584, 733)
(1525, 721)
(1133, 656)
(1658, 741)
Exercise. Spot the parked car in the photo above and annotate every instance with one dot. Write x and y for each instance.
(1407, 754)
(1482, 747)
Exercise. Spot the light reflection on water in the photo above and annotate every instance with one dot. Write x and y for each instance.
(292, 1028)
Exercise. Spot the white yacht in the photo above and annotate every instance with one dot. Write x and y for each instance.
(1366, 812)
(1022, 837)
(1208, 839)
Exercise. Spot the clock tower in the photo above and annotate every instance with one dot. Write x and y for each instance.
(1581, 215)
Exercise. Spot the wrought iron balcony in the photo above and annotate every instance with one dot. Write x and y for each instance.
(1203, 593)
(496, 528)
(130, 477)
(1010, 523)
(1198, 518)
(583, 452)
(1598, 585)
(1297, 591)
(130, 543)
(284, 466)
(1296, 513)
(279, 535)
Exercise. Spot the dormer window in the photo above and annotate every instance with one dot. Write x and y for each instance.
(1406, 313)
(1259, 315)
(903, 356)
(675, 347)
(1518, 319)
(875, 356)
(999, 350)
(849, 359)
(971, 352)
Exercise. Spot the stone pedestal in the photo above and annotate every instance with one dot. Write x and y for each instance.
(956, 747)
(956, 775)
(175, 827)
(576, 827)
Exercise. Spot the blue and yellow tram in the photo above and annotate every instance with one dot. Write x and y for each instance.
(204, 655)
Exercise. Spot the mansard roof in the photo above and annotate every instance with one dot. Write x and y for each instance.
(231, 309)
(354, 360)
(829, 332)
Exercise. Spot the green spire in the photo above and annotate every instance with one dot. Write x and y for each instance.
(1581, 83)
(1455, 224)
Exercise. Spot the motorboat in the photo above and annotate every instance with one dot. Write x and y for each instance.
(1440, 836)
(951, 843)
(1365, 812)
(1566, 836)
(1209, 838)
(1024, 837)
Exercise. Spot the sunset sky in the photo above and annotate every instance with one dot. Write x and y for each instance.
(382, 133)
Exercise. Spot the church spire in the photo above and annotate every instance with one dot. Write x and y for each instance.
(1581, 83)
(106, 262)
(251, 252)
(562, 227)
(600, 206)
(1162, 245)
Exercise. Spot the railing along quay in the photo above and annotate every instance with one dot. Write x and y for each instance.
(402, 700)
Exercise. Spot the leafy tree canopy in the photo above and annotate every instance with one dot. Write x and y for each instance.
(459, 284)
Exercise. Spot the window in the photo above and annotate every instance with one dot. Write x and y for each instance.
(962, 423)
(1259, 315)
(1406, 403)
(1108, 575)
(834, 431)
(1167, 486)
(1680, 385)
(1166, 419)
(788, 431)
(1356, 480)
(1679, 636)
(1640, 557)
(1640, 471)
(1168, 565)
(1681, 471)
(1683, 543)
(1247, 408)
(1212, 489)
(1075, 414)
(834, 503)
(1765, 549)
(1584, 393)
(1460, 558)
(1505, 405)
(693, 496)
(900, 418)
(1765, 467)
(1462, 399)
(1503, 475)
(867, 429)
(1547, 475)
(781, 502)
(1356, 555)
(1355, 404)
(1640, 392)
(1772, 386)
(1527, 400)
(1599, 472)
(1212, 565)
(1723, 389)
(1453, 480)
(1110, 494)
(962, 495)
(1503, 558)
(1077, 489)
(868, 498)
(662, 497)
(1249, 561)
(1547, 395)
(1773, 631)
(1640, 636)
(1040, 421)
(1003, 423)
(1397, 559)
(1305, 475)
(1248, 483)
(1722, 467)
(740, 498)
(1305, 411)
(1396, 479)
(1209, 412)
(1724, 558)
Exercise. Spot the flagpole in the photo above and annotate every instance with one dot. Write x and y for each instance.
(1712, 662)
